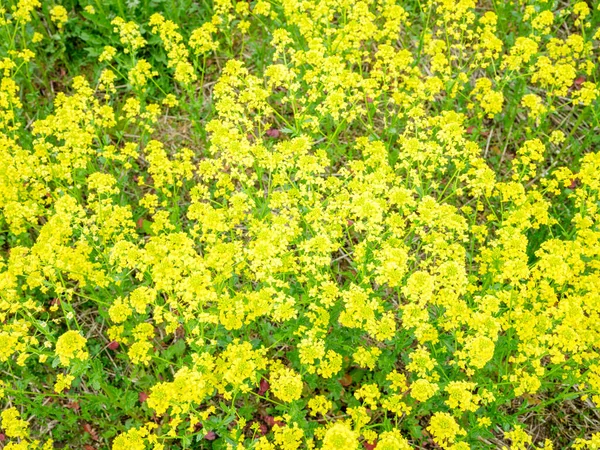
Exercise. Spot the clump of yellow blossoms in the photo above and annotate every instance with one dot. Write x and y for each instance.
(286, 384)
(444, 429)
(59, 16)
(340, 436)
(12, 423)
(69, 346)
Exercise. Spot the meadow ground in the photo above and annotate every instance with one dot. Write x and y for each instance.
(299, 224)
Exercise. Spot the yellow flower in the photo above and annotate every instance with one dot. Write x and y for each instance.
(392, 440)
(444, 429)
(177, 52)
(201, 40)
(422, 390)
(587, 93)
(367, 357)
(521, 53)
(484, 421)
(480, 350)
(141, 297)
(119, 311)
(143, 331)
(141, 73)
(288, 437)
(133, 439)
(330, 365)
(520, 440)
(107, 54)
(129, 33)
(139, 352)
(59, 16)
(286, 384)
(24, 9)
(71, 345)
(490, 101)
(534, 104)
(12, 423)
(340, 436)
(319, 405)
(63, 381)
(369, 393)
(543, 22)
(398, 381)
(581, 10)
(461, 396)
(557, 137)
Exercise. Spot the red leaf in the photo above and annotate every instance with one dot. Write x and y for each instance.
(346, 380)
(87, 428)
(269, 420)
(73, 405)
(370, 446)
(2, 437)
(263, 429)
(210, 436)
(274, 133)
(180, 332)
(113, 345)
(264, 386)
(143, 397)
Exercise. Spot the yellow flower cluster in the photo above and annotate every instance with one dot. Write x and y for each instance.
(129, 33)
(69, 346)
(177, 52)
(340, 436)
(286, 384)
(59, 16)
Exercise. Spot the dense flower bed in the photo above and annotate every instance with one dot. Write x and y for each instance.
(295, 224)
